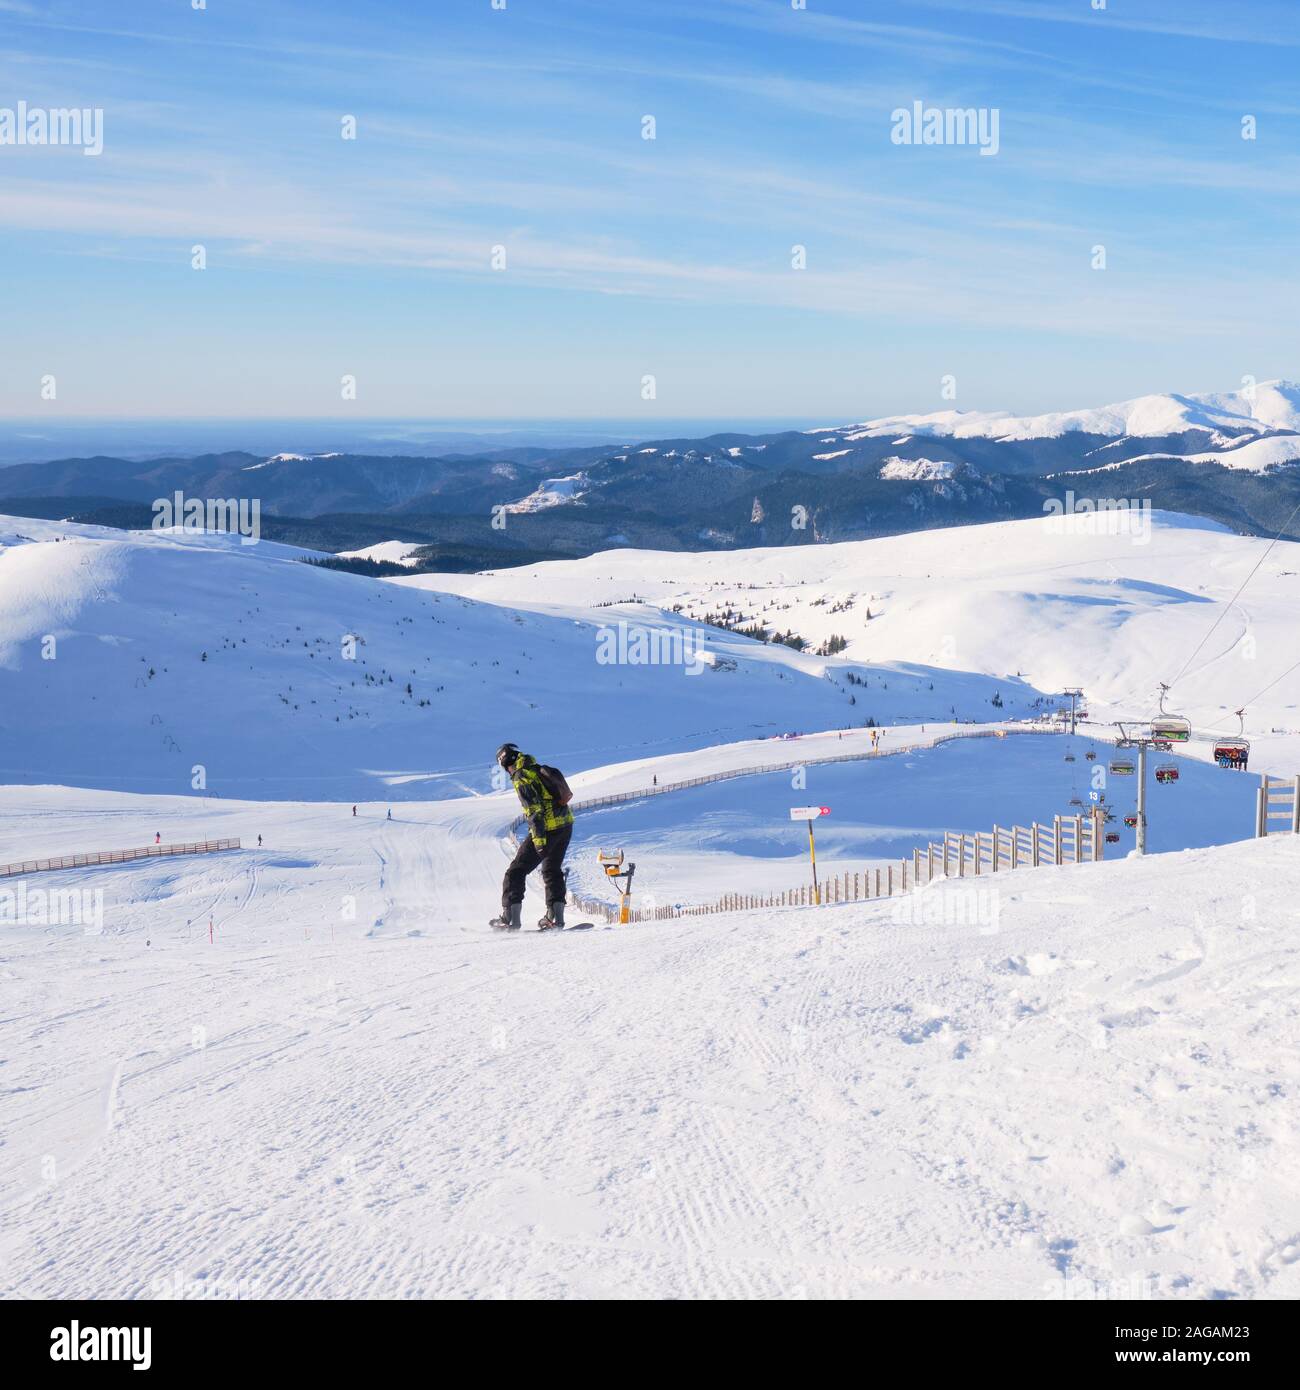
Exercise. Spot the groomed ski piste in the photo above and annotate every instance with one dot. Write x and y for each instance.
(309, 1070)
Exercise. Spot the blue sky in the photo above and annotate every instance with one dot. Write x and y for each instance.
(625, 257)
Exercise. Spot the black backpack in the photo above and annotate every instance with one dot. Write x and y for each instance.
(553, 780)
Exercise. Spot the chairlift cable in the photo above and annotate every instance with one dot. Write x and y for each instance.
(1267, 551)
(1270, 685)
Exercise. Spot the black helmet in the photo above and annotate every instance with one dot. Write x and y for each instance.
(508, 754)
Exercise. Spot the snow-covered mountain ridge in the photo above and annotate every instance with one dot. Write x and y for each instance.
(1227, 420)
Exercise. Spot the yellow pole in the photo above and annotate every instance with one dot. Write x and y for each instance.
(812, 854)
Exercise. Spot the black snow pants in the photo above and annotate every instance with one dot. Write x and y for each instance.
(550, 859)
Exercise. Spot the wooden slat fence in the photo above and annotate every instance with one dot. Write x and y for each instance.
(113, 856)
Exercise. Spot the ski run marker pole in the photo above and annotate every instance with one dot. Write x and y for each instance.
(810, 814)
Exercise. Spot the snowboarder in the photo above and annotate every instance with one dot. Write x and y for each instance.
(544, 796)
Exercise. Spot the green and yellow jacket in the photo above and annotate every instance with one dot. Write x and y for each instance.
(542, 811)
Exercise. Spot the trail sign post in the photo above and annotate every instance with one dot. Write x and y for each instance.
(810, 814)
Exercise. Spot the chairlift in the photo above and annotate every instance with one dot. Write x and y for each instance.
(1076, 801)
(1069, 757)
(1131, 821)
(1171, 728)
(1091, 755)
(1122, 767)
(1112, 837)
(1167, 772)
(1233, 751)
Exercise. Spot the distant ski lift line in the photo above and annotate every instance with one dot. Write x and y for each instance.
(1241, 589)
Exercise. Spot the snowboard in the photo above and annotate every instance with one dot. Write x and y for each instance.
(573, 926)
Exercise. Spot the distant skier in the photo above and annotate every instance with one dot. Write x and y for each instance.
(157, 837)
(259, 842)
(390, 813)
(354, 810)
(544, 795)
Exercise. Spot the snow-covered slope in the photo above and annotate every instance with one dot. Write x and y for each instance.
(690, 844)
(1065, 1083)
(178, 662)
(1066, 601)
(305, 1068)
(394, 552)
(552, 492)
(922, 470)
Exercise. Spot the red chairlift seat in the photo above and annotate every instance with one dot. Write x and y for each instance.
(1232, 753)
(1167, 772)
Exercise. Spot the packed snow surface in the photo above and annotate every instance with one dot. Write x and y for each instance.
(1063, 1082)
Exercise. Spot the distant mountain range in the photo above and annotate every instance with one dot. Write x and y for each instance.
(1229, 457)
